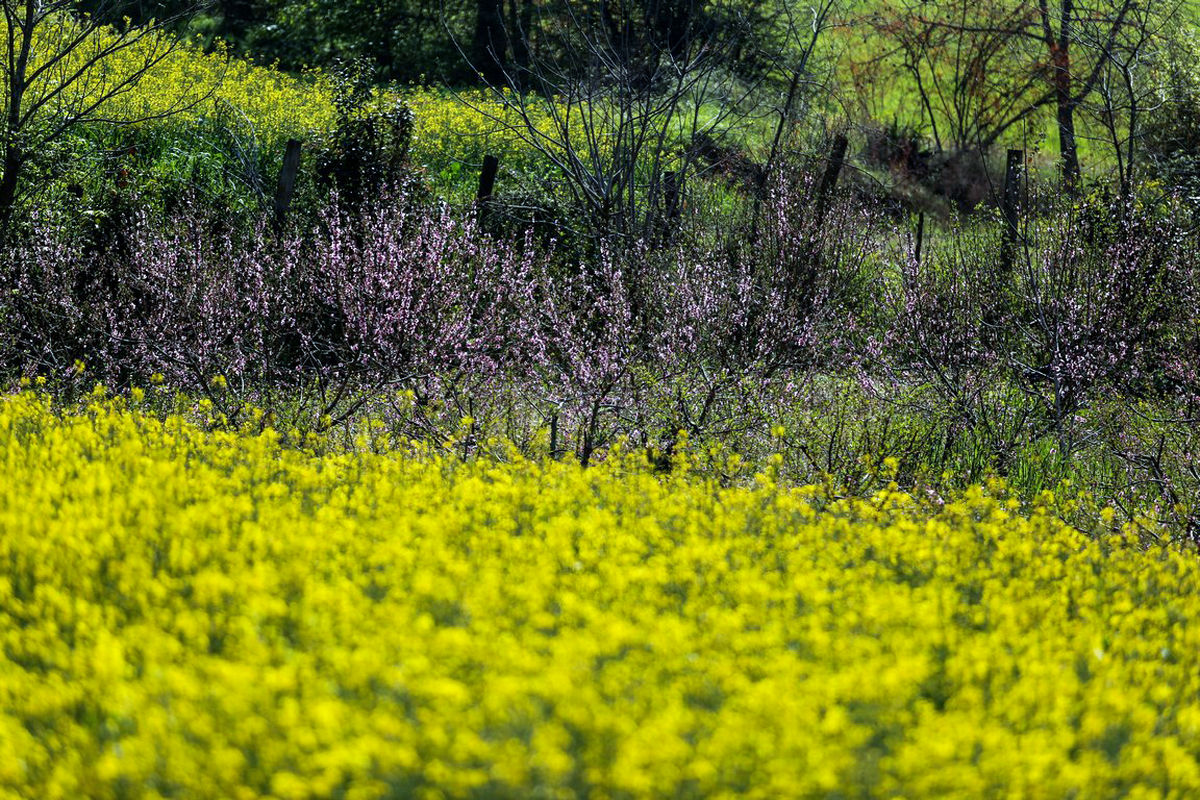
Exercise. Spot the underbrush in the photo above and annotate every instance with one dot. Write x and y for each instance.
(824, 340)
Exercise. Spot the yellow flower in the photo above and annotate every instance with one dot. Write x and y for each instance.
(215, 615)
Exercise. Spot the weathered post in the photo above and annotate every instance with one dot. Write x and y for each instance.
(1010, 207)
(920, 242)
(833, 168)
(672, 189)
(487, 183)
(285, 189)
(672, 206)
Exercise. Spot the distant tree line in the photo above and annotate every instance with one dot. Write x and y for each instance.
(406, 40)
(454, 41)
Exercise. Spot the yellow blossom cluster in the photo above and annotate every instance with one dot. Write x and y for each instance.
(156, 77)
(157, 80)
(270, 104)
(454, 131)
(199, 614)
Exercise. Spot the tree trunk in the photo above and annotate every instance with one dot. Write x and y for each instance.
(14, 151)
(520, 14)
(1060, 58)
(8, 190)
(1068, 147)
(490, 42)
(236, 16)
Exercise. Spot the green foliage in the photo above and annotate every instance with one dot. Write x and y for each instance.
(366, 153)
(1173, 133)
(212, 125)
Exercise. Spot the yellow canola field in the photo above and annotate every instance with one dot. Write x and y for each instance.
(156, 79)
(210, 615)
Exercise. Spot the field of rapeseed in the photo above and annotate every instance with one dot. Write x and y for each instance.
(196, 614)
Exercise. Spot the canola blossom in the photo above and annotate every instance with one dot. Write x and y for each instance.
(154, 80)
(186, 613)
(453, 132)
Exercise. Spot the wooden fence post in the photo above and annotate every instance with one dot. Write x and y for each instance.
(920, 242)
(286, 187)
(1010, 207)
(672, 200)
(487, 183)
(833, 168)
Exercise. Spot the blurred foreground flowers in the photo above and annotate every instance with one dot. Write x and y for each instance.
(195, 614)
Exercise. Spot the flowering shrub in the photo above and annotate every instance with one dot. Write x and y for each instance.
(720, 337)
(1101, 301)
(213, 615)
(395, 295)
(392, 294)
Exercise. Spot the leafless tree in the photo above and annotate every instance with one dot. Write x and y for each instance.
(970, 77)
(58, 71)
(803, 31)
(985, 67)
(614, 96)
(1127, 90)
